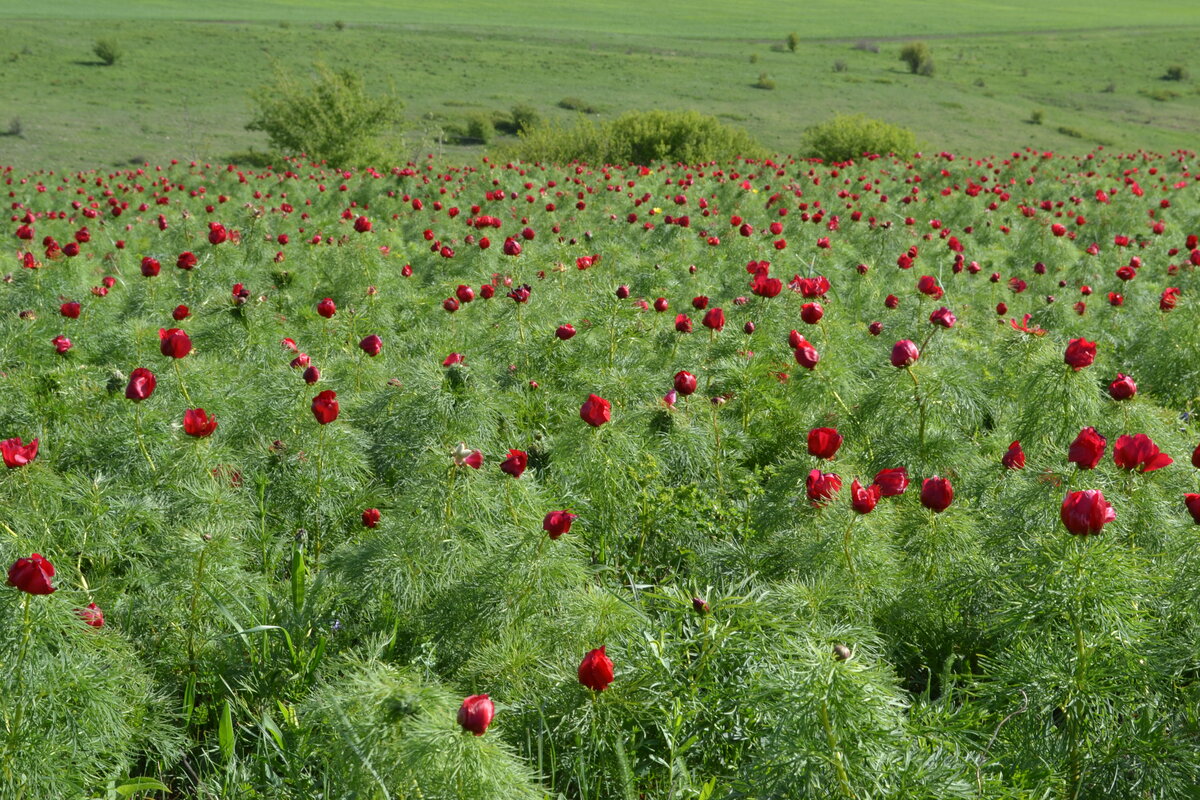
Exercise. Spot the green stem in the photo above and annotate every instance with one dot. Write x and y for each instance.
(179, 377)
(846, 550)
(317, 534)
(920, 409)
(834, 751)
(137, 428)
(191, 643)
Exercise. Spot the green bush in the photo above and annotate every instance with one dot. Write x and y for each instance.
(1176, 72)
(764, 81)
(108, 51)
(793, 41)
(639, 137)
(915, 54)
(1037, 116)
(525, 117)
(331, 118)
(575, 104)
(481, 127)
(848, 137)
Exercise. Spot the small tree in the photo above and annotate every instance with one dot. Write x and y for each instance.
(331, 118)
(1176, 72)
(848, 137)
(525, 117)
(108, 51)
(793, 41)
(916, 54)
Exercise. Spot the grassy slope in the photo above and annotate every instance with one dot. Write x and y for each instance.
(180, 91)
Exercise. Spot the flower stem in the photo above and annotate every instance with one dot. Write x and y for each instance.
(317, 534)
(179, 377)
(137, 428)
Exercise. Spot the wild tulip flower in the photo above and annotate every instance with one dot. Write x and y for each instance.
(463, 456)
(1122, 388)
(371, 517)
(141, 385)
(197, 423)
(595, 411)
(1192, 501)
(476, 713)
(174, 342)
(824, 442)
(565, 331)
(371, 345)
(685, 383)
(1086, 512)
(596, 670)
(863, 500)
(327, 308)
(892, 482)
(32, 575)
(557, 523)
(515, 463)
(16, 454)
(92, 615)
(325, 407)
(62, 344)
(1014, 458)
(1139, 452)
(904, 353)
(1080, 353)
(714, 319)
(936, 494)
(822, 486)
(1087, 449)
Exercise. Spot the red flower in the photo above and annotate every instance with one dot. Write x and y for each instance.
(450, 304)
(812, 312)
(1087, 449)
(17, 454)
(595, 411)
(806, 355)
(311, 375)
(863, 500)
(197, 423)
(371, 517)
(700, 303)
(362, 225)
(1122, 388)
(186, 260)
(174, 342)
(1131, 452)
(596, 670)
(936, 494)
(92, 615)
(824, 442)
(464, 293)
(1192, 501)
(891, 301)
(452, 360)
(511, 247)
(892, 482)
(515, 463)
(1024, 326)
(822, 486)
(371, 345)
(70, 309)
(928, 285)
(565, 331)
(1169, 298)
(683, 323)
(181, 313)
(150, 267)
(325, 407)
(685, 382)
(1080, 353)
(1014, 458)
(765, 286)
(32, 575)
(944, 317)
(904, 353)
(471, 458)
(61, 343)
(141, 385)
(714, 319)
(475, 714)
(1086, 512)
(557, 523)
(327, 308)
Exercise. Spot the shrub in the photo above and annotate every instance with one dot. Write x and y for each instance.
(754, 58)
(926, 69)
(14, 127)
(764, 81)
(331, 118)
(1176, 72)
(575, 104)
(1109, 88)
(840, 66)
(915, 54)
(793, 41)
(848, 137)
(525, 117)
(480, 127)
(1074, 133)
(866, 46)
(339, 25)
(108, 51)
(640, 137)
(1037, 116)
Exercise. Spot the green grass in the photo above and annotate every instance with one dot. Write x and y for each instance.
(181, 88)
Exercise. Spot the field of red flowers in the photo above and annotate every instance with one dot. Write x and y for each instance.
(750, 479)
